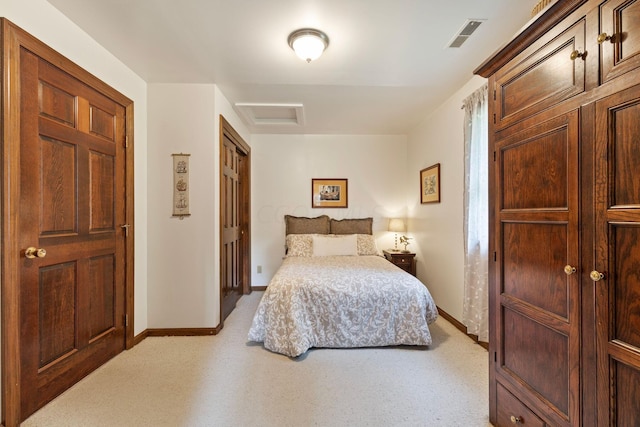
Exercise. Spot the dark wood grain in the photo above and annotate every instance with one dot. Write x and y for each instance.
(524, 87)
(46, 304)
(621, 54)
(617, 256)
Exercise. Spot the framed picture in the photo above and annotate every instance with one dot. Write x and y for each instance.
(181, 185)
(329, 193)
(430, 184)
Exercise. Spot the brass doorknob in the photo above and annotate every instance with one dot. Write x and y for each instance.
(569, 270)
(596, 276)
(515, 420)
(32, 252)
(577, 54)
(603, 37)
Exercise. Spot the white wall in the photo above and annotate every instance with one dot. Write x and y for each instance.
(44, 22)
(184, 273)
(281, 173)
(438, 227)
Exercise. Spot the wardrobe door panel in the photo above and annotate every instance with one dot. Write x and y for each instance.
(527, 346)
(620, 52)
(616, 273)
(543, 75)
(532, 276)
(537, 234)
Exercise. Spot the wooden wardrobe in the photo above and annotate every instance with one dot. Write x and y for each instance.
(564, 141)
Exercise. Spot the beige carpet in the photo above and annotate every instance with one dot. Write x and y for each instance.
(225, 381)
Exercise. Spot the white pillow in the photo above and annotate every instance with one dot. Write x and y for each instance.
(335, 245)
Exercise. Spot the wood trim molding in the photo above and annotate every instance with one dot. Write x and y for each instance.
(175, 332)
(181, 332)
(130, 219)
(140, 337)
(460, 326)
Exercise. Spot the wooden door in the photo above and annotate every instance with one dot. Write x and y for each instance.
(535, 305)
(71, 209)
(619, 37)
(234, 218)
(616, 273)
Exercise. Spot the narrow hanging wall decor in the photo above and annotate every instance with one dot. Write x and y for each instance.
(181, 185)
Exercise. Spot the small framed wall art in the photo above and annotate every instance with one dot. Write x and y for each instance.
(181, 185)
(430, 184)
(329, 193)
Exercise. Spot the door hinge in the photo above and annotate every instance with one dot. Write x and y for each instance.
(495, 256)
(494, 156)
(126, 141)
(495, 356)
(126, 320)
(494, 94)
(494, 118)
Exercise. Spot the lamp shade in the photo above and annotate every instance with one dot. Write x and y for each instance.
(308, 43)
(396, 225)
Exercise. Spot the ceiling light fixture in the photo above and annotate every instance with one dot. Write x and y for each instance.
(308, 43)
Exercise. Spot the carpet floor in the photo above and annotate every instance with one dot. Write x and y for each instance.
(224, 380)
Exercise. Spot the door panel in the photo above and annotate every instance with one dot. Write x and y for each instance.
(72, 198)
(620, 20)
(537, 236)
(617, 257)
(524, 87)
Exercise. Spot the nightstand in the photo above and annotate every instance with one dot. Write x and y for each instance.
(404, 260)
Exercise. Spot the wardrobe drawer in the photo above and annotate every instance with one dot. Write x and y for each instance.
(512, 412)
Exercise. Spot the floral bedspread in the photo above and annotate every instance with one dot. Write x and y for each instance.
(342, 301)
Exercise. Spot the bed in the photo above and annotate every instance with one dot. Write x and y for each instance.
(335, 291)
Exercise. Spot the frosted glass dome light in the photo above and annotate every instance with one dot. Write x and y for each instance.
(308, 43)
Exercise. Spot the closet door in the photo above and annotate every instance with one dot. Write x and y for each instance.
(536, 300)
(616, 273)
(619, 37)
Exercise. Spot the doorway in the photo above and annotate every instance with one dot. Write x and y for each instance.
(235, 218)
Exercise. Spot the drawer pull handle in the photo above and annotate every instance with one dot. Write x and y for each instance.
(569, 270)
(596, 276)
(516, 420)
(577, 54)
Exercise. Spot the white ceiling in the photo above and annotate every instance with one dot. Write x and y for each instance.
(386, 68)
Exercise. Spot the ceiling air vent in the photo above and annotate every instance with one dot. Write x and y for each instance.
(467, 29)
(257, 114)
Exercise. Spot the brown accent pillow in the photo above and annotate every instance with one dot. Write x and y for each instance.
(304, 225)
(352, 226)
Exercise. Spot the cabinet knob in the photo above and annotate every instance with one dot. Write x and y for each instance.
(603, 37)
(516, 420)
(596, 276)
(577, 54)
(569, 270)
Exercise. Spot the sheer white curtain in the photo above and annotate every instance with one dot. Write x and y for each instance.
(475, 311)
